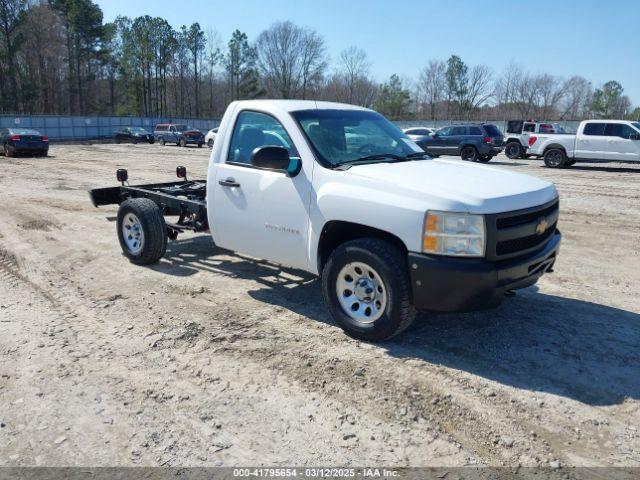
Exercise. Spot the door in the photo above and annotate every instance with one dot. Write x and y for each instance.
(454, 141)
(592, 142)
(622, 142)
(437, 144)
(261, 212)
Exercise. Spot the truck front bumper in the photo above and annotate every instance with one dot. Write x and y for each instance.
(449, 284)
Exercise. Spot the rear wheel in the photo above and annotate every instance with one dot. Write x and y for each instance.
(485, 158)
(367, 290)
(162, 142)
(513, 150)
(142, 231)
(469, 153)
(555, 158)
(570, 163)
(182, 142)
(8, 150)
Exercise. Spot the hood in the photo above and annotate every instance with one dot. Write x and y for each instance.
(463, 186)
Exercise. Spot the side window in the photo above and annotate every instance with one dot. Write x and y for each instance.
(253, 130)
(459, 131)
(475, 131)
(618, 130)
(445, 132)
(529, 127)
(594, 129)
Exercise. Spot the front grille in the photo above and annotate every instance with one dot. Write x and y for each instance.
(521, 219)
(524, 243)
(512, 234)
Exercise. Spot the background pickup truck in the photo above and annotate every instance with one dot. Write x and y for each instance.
(519, 133)
(607, 140)
(340, 192)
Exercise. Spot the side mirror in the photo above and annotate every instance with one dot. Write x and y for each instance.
(272, 157)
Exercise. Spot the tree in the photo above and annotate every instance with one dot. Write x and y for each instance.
(239, 62)
(456, 77)
(608, 101)
(393, 98)
(11, 15)
(290, 59)
(356, 67)
(84, 33)
(431, 85)
(195, 42)
(577, 97)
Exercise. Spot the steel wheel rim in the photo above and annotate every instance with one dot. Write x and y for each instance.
(132, 233)
(361, 292)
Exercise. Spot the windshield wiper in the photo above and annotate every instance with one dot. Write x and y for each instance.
(415, 155)
(370, 158)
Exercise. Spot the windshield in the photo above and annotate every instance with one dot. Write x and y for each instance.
(342, 136)
(138, 130)
(636, 124)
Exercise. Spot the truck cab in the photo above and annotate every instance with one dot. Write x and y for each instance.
(340, 192)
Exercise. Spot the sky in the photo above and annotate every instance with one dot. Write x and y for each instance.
(596, 39)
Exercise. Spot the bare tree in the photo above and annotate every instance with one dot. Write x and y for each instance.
(290, 58)
(431, 85)
(355, 66)
(578, 95)
(479, 88)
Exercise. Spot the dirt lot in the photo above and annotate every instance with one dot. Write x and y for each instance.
(211, 358)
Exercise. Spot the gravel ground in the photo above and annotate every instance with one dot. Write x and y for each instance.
(211, 358)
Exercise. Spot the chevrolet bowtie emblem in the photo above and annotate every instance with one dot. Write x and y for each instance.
(542, 226)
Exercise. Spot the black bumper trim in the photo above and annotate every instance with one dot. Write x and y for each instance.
(451, 284)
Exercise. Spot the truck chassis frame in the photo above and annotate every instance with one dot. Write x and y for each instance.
(184, 199)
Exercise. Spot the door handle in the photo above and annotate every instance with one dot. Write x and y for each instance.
(229, 182)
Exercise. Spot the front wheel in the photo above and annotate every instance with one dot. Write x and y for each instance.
(162, 142)
(210, 143)
(555, 158)
(469, 154)
(182, 142)
(513, 150)
(367, 289)
(142, 231)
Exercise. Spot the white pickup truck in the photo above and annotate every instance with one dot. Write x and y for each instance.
(519, 133)
(617, 140)
(340, 192)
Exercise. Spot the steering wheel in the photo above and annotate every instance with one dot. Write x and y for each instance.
(367, 148)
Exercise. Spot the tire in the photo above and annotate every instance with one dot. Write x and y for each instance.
(134, 141)
(117, 141)
(390, 311)
(513, 150)
(485, 158)
(210, 143)
(8, 150)
(142, 218)
(162, 142)
(469, 154)
(182, 142)
(152, 141)
(43, 153)
(200, 145)
(570, 163)
(555, 158)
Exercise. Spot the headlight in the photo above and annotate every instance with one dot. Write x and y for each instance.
(456, 234)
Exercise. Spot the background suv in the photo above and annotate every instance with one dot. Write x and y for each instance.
(473, 142)
(178, 133)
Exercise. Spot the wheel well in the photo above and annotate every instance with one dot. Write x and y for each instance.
(509, 140)
(337, 232)
(554, 146)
